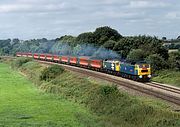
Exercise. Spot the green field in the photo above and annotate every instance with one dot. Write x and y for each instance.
(22, 104)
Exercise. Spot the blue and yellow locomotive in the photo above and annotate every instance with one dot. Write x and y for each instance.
(136, 71)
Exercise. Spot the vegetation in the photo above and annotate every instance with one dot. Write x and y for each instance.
(174, 60)
(157, 62)
(173, 43)
(52, 72)
(113, 107)
(136, 55)
(5, 46)
(20, 61)
(102, 37)
(23, 105)
(168, 77)
(103, 34)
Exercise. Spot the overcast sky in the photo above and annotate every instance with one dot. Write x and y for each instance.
(27, 19)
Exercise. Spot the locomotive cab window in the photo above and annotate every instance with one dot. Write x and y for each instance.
(144, 66)
(147, 66)
(140, 66)
(117, 64)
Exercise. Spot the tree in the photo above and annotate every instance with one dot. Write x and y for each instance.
(103, 34)
(123, 46)
(87, 37)
(44, 40)
(15, 41)
(5, 47)
(178, 38)
(156, 62)
(163, 52)
(149, 45)
(109, 44)
(136, 55)
(164, 38)
(67, 39)
(174, 60)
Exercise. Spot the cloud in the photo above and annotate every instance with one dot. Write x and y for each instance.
(117, 15)
(173, 15)
(14, 7)
(52, 18)
(147, 4)
(112, 2)
(22, 7)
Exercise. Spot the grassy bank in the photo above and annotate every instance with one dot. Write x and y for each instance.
(23, 105)
(113, 107)
(168, 77)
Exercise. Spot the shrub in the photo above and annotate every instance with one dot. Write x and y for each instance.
(157, 62)
(107, 90)
(20, 61)
(174, 60)
(51, 72)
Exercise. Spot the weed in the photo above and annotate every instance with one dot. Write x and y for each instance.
(20, 61)
(51, 72)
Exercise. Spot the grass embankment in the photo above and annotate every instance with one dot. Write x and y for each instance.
(168, 77)
(22, 104)
(114, 108)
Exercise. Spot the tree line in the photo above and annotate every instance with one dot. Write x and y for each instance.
(130, 48)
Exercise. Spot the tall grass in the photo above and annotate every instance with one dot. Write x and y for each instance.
(20, 61)
(114, 108)
(168, 77)
(51, 72)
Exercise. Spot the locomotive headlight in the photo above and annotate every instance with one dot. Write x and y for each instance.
(149, 76)
(140, 76)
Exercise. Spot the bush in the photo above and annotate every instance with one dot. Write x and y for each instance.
(51, 72)
(107, 90)
(157, 62)
(20, 61)
(174, 60)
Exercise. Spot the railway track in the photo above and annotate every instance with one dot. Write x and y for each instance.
(164, 87)
(168, 93)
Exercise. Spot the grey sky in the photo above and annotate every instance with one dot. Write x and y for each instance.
(27, 19)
